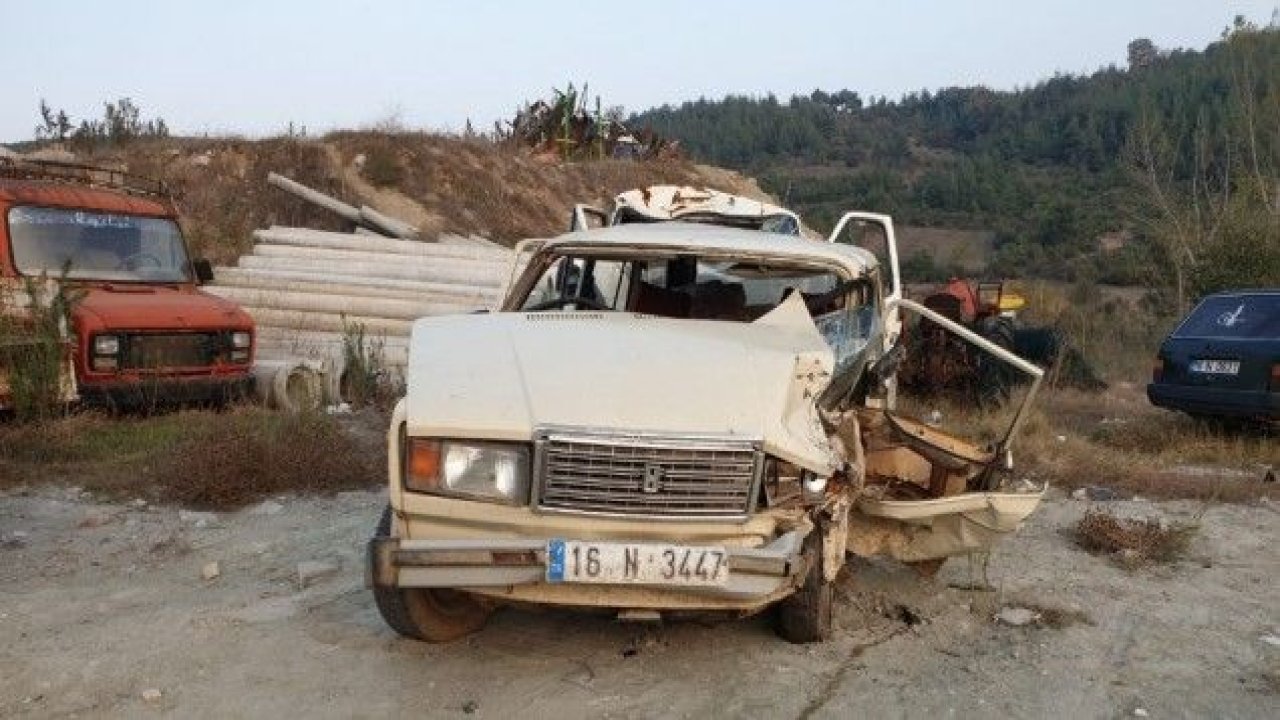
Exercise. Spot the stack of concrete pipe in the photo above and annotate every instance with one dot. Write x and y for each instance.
(308, 289)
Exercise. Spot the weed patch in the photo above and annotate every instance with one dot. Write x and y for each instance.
(1133, 542)
(35, 347)
(366, 377)
(200, 459)
(253, 454)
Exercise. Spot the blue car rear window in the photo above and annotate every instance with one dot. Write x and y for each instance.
(1234, 316)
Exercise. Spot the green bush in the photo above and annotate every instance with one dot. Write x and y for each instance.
(34, 345)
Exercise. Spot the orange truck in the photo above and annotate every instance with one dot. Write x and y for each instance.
(141, 330)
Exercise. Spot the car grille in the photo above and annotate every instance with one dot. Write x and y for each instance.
(177, 350)
(647, 476)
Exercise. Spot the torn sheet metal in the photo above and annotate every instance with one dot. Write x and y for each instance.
(916, 530)
(670, 202)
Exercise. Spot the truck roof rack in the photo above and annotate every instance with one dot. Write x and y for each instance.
(89, 175)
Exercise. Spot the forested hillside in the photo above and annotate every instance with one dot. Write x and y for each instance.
(1050, 168)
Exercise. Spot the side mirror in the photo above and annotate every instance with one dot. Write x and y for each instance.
(204, 271)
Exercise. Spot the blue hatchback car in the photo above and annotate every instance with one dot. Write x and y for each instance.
(1223, 360)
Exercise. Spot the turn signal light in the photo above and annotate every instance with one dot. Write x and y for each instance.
(1157, 370)
(421, 464)
(1275, 377)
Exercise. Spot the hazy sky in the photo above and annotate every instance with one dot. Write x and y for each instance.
(251, 67)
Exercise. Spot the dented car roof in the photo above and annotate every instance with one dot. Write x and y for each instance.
(701, 236)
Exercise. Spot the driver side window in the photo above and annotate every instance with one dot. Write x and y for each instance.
(599, 283)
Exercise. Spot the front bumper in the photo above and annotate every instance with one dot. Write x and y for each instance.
(167, 390)
(515, 569)
(1253, 404)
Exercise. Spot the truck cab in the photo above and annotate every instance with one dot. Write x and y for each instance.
(142, 331)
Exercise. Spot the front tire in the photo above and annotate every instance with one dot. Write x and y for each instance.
(429, 614)
(805, 617)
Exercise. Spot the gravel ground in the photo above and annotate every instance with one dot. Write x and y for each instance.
(104, 611)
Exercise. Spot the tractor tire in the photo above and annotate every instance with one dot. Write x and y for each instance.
(434, 615)
(995, 377)
(805, 616)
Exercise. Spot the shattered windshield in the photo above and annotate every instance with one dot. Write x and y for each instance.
(702, 288)
(97, 245)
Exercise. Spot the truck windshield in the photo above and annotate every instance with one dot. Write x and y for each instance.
(97, 246)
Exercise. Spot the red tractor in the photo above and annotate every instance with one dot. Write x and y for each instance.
(945, 362)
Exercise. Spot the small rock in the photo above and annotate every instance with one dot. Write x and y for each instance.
(1060, 438)
(1272, 640)
(1140, 712)
(1016, 616)
(935, 418)
(359, 161)
(152, 694)
(470, 707)
(15, 540)
(267, 507)
(210, 571)
(94, 518)
(199, 519)
(138, 503)
(202, 160)
(309, 571)
(1093, 492)
(1024, 485)
(1129, 557)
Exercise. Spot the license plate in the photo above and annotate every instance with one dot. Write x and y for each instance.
(635, 563)
(1216, 367)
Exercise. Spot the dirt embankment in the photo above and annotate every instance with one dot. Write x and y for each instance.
(441, 184)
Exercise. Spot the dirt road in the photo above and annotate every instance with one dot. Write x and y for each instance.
(104, 612)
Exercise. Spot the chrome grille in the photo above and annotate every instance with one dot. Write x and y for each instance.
(176, 350)
(649, 476)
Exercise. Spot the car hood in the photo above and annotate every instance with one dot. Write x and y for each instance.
(505, 375)
(151, 307)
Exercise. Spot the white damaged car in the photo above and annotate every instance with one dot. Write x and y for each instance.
(672, 417)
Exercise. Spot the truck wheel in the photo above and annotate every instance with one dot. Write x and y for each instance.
(994, 378)
(434, 615)
(805, 617)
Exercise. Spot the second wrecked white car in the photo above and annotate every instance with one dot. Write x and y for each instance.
(666, 417)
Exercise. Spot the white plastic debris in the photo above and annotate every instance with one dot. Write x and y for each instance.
(1017, 616)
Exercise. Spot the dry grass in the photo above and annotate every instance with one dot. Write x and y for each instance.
(466, 186)
(196, 459)
(1117, 440)
(223, 200)
(1133, 542)
(500, 192)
